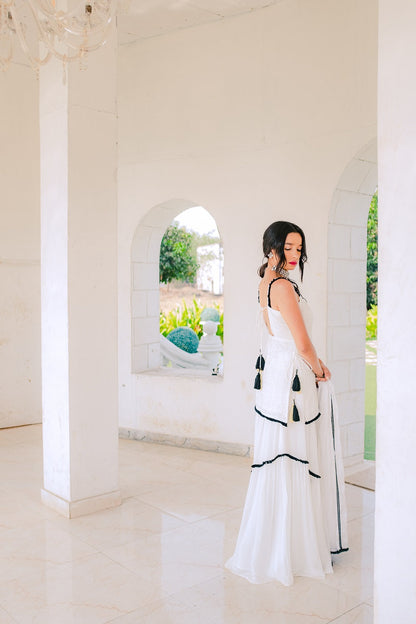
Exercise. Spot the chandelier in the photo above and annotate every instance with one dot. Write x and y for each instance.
(66, 29)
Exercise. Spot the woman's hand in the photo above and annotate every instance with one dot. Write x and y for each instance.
(326, 373)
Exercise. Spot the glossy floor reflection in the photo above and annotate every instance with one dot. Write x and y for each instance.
(158, 558)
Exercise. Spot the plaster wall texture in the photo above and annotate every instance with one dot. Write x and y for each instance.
(79, 284)
(395, 544)
(20, 382)
(255, 118)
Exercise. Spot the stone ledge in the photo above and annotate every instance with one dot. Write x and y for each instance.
(228, 448)
(190, 373)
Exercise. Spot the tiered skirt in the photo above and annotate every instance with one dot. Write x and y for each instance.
(294, 515)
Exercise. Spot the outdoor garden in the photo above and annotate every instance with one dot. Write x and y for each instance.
(189, 295)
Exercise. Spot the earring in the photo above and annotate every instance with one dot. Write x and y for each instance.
(274, 267)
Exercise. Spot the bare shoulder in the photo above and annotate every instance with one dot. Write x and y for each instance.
(282, 291)
(283, 287)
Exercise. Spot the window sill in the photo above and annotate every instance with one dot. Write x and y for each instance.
(192, 373)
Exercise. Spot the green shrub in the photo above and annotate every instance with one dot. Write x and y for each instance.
(188, 316)
(210, 314)
(371, 325)
(185, 338)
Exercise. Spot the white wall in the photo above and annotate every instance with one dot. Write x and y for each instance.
(20, 386)
(395, 543)
(254, 118)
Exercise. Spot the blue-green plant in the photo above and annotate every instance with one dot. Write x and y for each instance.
(185, 338)
(210, 314)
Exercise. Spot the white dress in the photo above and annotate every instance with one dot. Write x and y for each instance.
(294, 515)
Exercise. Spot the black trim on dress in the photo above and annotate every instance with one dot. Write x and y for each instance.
(341, 549)
(269, 418)
(308, 422)
(302, 461)
(295, 286)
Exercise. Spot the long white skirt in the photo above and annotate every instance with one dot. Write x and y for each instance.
(294, 515)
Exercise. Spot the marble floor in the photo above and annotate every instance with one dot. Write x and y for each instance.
(159, 557)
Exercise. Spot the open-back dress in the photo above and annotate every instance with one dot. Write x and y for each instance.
(294, 515)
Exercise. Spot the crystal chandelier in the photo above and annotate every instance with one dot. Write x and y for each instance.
(66, 29)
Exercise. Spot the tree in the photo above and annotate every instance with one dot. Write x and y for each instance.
(177, 258)
(372, 252)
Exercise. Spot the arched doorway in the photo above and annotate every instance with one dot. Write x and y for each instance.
(347, 254)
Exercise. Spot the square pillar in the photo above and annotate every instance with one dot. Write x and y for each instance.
(395, 538)
(78, 137)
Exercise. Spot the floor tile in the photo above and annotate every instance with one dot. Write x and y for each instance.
(159, 557)
(17, 435)
(172, 561)
(361, 543)
(230, 600)
(20, 510)
(354, 570)
(360, 502)
(41, 548)
(5, 618)
(114, 527)
(363, 614)
(92, 590)
(193, 502)
(223, 528)
(151, 476)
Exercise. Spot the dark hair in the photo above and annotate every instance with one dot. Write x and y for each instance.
(274, 238)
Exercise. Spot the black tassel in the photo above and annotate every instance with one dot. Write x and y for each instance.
(295, 413)
(296, 383)
(260, 363)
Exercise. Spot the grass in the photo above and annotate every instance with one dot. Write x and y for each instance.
(370, 411)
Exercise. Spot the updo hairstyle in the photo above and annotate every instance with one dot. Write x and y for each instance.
(274, 238)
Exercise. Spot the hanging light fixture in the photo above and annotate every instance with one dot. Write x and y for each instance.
(66, 29)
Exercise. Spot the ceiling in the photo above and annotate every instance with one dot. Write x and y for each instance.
(141, 19)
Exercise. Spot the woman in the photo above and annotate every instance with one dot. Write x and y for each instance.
(294, 515)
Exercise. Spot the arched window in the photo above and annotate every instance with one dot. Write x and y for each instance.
(145, 293)
(191, 275)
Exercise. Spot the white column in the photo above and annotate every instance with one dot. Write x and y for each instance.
(395, 540)
(78, 124)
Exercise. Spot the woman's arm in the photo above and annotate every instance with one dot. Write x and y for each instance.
(284, 299)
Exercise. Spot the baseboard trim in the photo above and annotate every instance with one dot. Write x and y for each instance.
(74, 509)
(213, 446)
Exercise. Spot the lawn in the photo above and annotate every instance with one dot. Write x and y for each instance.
(370, 411)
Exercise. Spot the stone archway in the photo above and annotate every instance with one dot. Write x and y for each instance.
(347, 255)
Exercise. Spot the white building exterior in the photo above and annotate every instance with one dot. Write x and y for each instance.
(210, 275)
(264, 115)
